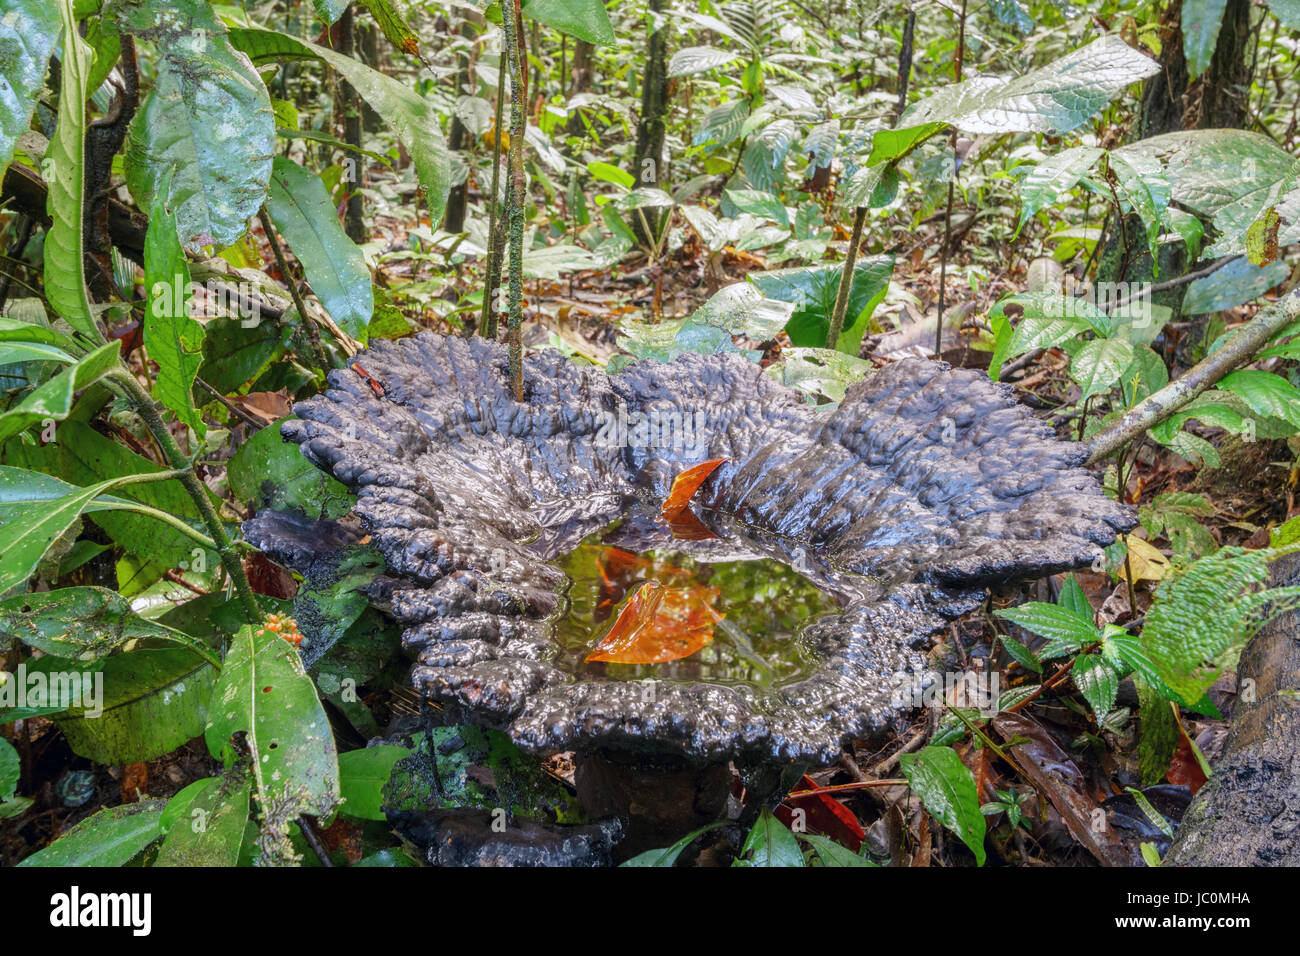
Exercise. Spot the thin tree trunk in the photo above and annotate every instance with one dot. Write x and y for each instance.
(650, 128)
(349, 111)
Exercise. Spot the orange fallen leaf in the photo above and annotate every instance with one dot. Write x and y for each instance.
(659, 624)
(686, 484)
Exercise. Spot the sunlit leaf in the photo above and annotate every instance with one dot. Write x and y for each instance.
(659, 624)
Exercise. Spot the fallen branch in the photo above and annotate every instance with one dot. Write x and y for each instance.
(1240, 349)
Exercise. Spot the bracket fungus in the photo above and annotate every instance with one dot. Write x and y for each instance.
(924, 486)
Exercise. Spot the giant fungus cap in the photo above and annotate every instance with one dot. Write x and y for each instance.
(922, 487)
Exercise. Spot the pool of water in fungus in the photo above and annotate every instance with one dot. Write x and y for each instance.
(716, 621)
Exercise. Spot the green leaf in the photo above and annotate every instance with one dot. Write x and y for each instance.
(722, 124)
(362, 777)
(584, 19)
(1053, 178)
(1150, 812)
(111, 837)
(1098, 365)
(1021, 654)
(1141, 181)
(667, 856)
(394, 26)
(413, 118)
(947, 789)
(760, 204)
(271, 474)
(1052, 622)
(28, 528)
(1265, 393)
(1232, 285)
(697, 59)
(11, 767)
(736, 309)
(1072, 598)
(329, 10)
(52, 400)
(264, 692)
(812, 291)
(887, 144)
(1054, 99)
(28, 31)
(1201, 20)
(65, 286)
(153, 700)
(235, 354)
(1159, 736)
(208, 127)
(304, 213)
(81, 622)
(172, 337)
(831, 853)
(1097, 682)
(209, 827)
(770, 843)
(1230, 177)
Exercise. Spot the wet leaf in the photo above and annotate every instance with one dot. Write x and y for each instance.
(304, 214)
(947, 788)
(208, 827)
(363, 774)
(268, 473)
(823, 814)
(659, 624)
(770, 844)
(29, 30)
(1052, 770)
(264, 693)
(111, 837)
(686, 484)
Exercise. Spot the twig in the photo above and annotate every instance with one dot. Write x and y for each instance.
(312, 335)
(1155, 408)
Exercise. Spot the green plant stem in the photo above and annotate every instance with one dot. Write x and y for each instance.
(511, 20)
(312, 334)
(846, 279)
(496, 237)
(162, 516)
(184, 471)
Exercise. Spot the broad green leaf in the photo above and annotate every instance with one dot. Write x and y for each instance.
(111, 837)
(413, 118)
(235, 353)
(609, 173)
(819, 371)
(11, 766)
(84, 456)
(1159, 734)
(16, 330)
(28, 31)
(28, 528)
(831, 853)
(210, 832)
(1052, 178)
(172, 337)
(760, 204)
(153, 701)
(304, 213)
(271, 474)
(1232, 285)
(764, 157)
(209, 127)
(1072, 598)
(362, 776)
(947, 789)
(1145, 374)
(1098, 365)
(1230, 177)
(736, 309)
(1201, 20)
(584, 19)
(1054, 99)
(1097, 682)
(80, 622)
(65, 286)
(1265, 393)
(1053, 622)
(13, 353)
(722, 124)
(264, 692)
(770, 843)
(697, 59)
(52, 400)
(887, 144)
(812, 291)
(1141, 181)
(329, 10)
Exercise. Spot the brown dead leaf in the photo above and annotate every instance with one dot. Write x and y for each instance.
(660, 624)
